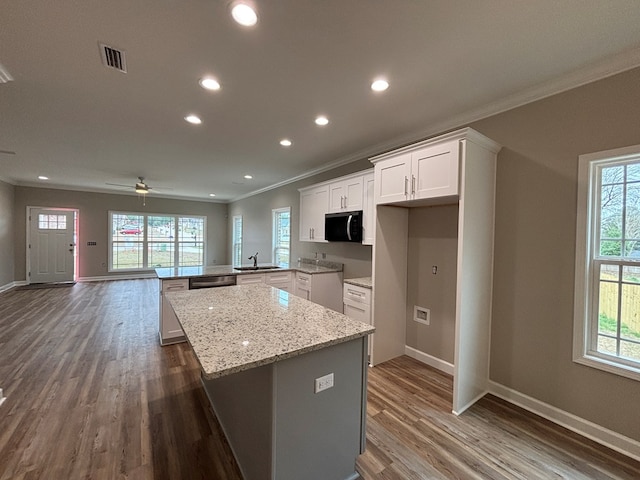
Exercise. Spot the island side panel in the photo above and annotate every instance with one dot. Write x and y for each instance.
(243, 404)
(318, 435)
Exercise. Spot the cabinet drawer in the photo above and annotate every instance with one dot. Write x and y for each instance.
(303, 279)
(357, 294)
(175, 285)
(278, 277)
(250, 279)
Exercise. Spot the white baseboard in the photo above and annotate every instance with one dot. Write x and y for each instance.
(430, 360)
(11, 285)
(104, 278)
(625, 445)
(2, 397)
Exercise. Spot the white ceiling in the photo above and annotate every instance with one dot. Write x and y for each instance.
(448, 62)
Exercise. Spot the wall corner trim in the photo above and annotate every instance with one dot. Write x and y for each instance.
(625, 445)
(9, 286)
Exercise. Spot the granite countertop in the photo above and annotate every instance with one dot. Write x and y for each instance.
(364, 282)
(304, 265)
(236, 328)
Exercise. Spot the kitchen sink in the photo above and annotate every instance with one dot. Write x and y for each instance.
(264, 267)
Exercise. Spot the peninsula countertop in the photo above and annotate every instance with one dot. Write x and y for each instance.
(236, 328)
(305, 265)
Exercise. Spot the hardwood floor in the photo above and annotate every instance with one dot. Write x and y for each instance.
(91, 395)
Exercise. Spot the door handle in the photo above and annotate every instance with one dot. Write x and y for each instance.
(413, 184)
(406, 186)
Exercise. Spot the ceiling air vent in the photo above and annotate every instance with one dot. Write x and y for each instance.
(113, 58)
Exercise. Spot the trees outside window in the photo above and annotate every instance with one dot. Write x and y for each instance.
(281, 220)
(607, 306)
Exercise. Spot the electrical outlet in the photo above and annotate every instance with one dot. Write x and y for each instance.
(322, 383)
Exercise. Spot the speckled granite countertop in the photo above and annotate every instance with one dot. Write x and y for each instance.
(364, 282)
(305, 266)
(240, 327)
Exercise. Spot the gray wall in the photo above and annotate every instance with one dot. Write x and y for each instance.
(532, 329)
(93, 223)
(256, 222)
(7, 233)
(433, 241)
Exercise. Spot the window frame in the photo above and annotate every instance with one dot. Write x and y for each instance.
(274, 213)
(588, 262)
(144, 240)
(236, 259)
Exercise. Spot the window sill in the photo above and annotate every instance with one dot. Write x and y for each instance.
(609, 366)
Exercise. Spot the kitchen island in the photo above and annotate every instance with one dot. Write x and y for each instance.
(285, 376)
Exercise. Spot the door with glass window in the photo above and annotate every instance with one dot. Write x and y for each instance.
(51, 245)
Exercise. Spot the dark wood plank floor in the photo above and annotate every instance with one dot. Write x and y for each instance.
(91, 395)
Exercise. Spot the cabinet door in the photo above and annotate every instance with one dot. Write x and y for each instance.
(281, 280)
(346, 195)
(392, 179)
(303, 285)
(170, 328)
(435, 171)
(250, 279)
(353, 193)
(369, 210)
(314, 204)
(336, 197)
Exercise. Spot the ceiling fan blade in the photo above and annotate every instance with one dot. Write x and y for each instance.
(118, 185)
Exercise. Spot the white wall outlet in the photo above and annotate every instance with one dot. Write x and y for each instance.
(422, 315)
(322, 383)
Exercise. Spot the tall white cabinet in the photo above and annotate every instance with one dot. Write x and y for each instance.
(458, 167)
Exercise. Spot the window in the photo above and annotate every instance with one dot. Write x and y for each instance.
(144, 241)
(607, 304)
(281, 235)
(236, 240)
(52, 222)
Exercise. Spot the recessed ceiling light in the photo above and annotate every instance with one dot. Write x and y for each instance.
(379, 85)
(194, 119)
(285, 142)
(248, 177)
(212, 194)
(209, 83)
(322, 120)
(244, 14)
(42, 177)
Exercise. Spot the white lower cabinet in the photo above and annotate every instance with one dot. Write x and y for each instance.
(281, 280)
(250, 279)
(357, 305)
(322, 288)
(169, 328)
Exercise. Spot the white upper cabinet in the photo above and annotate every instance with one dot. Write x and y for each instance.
(346, 195)
(343, 194)
(369, 209)
(314, 203)
(421, 172)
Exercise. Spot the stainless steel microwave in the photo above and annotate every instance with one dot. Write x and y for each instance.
(343, 227)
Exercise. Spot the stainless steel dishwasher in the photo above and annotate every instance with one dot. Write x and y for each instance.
(211, 281)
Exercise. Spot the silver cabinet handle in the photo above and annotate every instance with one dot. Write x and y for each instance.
(406, 186)
(413, 184)
(345, 201)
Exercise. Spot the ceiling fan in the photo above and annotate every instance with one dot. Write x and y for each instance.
(140, 187)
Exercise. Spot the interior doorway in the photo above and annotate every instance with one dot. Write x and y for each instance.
(51, 245)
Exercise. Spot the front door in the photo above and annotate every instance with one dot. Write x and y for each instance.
(51, 245)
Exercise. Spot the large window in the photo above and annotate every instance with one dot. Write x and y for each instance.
(281, 235)
(607, 306)
(236, 240)
(145, 241)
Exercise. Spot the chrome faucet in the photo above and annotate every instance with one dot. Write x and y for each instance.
(255, 260)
